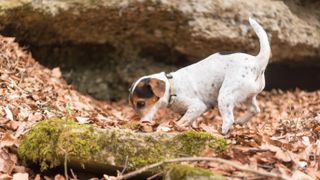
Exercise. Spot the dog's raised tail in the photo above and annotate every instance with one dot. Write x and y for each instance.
(265, 50)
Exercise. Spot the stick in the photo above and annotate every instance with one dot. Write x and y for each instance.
(125, 166)
(66, 166)
(154, 176)
(230, 163)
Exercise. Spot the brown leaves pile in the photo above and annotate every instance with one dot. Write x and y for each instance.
(30, 93)
(284, 138)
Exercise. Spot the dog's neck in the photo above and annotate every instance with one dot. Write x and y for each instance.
(171, 88)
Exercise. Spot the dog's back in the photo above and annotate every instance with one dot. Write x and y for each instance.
(205, 77)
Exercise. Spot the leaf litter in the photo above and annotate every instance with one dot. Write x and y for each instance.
(284, 138)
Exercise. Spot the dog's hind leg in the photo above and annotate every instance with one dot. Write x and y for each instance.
(226, 105)
(253, 109)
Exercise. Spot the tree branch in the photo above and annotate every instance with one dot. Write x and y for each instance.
(219, 160)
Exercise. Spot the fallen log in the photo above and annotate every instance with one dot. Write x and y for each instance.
(52, 141)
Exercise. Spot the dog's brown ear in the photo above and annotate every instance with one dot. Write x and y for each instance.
(158, 87)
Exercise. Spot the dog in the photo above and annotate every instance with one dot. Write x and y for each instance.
(220, 79)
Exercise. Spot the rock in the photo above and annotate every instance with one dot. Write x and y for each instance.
(114, 40)
(193, 28)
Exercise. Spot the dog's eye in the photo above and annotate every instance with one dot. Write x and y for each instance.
(140, 104)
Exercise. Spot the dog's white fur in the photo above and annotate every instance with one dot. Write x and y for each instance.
(223, 80)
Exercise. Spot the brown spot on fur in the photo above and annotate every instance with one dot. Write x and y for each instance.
(158, 86)
(151, 101)
(141, 103)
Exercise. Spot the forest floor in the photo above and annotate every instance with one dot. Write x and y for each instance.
(284, 138)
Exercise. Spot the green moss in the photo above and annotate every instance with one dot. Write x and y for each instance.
(178, 171)
(52, 139)
(130, 125)
(80, 143)
(139, 151)
(149, 149)
(12, 4)
(48, 142)
(192, 142)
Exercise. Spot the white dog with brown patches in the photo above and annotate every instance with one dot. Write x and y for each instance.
(220, 79)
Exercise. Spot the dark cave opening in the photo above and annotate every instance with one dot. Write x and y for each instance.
(106, 73)
(304, 75)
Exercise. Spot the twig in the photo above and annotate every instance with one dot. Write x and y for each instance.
(125, 165)
(154, 176)
(74, 176)
(65, 158)
(66, 166)
(219, 160)
(253, 150)
(139, 171)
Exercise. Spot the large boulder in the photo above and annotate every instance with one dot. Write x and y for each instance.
(126, 36)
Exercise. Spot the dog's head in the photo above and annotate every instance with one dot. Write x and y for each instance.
(145, 93)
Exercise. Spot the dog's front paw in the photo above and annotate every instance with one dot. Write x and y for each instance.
(183, 123)
(242, 120)
(239, 122)
(181, 128)
(225, 128)
(195, 125)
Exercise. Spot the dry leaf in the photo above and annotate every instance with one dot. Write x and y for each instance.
(109, 177)
(23, 114)
(163, 129)
(82, 120)
(306, 141)
(56, 72)
(6, 165)
(283, 155)
(8, 140)
(21, 129)
(5, 176)
(146, 127)
(298, 175)
(8, 113)
(13, 125)
(59, 177)
(302, 164)
(37, 177)
(19, 169)
(20, 176)
(35, 117)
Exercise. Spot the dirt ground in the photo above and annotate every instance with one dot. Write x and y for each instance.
(284, 138)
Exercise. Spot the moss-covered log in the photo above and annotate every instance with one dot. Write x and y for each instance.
(51, 141)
